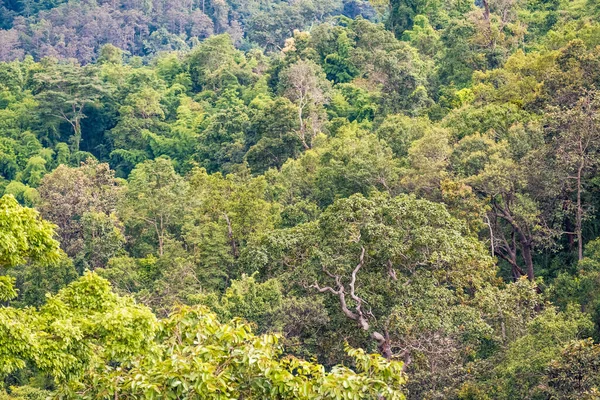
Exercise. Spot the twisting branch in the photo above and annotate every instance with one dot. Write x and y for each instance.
(359, 315)
(234, 249)
(391, 270)
(357, 299)
(340, 291)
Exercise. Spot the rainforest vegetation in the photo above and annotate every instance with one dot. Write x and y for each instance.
(300, 199)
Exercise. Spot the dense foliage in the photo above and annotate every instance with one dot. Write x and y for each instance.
(300, 199)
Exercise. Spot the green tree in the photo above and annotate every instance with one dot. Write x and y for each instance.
(25, 238)
(222, 139)
(271, 136)
(403, 13)
(63, 93)
(68, 194)
(574, 375)
(375, 258)
(246, 366)
(253, 301)
(576, 144)
(354, 161)
(82, 328)
(226, 214)
(154, 203)
(527, 359)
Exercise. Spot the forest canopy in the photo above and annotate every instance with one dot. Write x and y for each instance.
(269, 199)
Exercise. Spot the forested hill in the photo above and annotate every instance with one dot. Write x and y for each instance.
(300, 199)
(78, 29)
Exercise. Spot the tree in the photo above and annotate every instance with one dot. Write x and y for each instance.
(271, 135)
(255, 302)
(25, 238)
(514, 179)
(581, 285)
(368, 254)
(216, 360)
(497, 29)
(577, 143)
(526, 360)
(423, 36)
(79, 330)
(102, 237)
(400, 132)
(154, 202)
(85, 334)
(427, 164)
(403, 13)
(304, 84)
(69, 194)
(64, 91)
(222, 140)
(574, 375)
(337, 65)
(226, 214)
(141, 123)
(210, 60)
(9, 45)
(354, 161)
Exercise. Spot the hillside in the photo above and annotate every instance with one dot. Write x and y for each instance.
(78, 29)
(300, 199)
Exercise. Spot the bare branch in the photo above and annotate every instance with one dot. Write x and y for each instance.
(353, 281)
(324, 289)
(359, 316)
(391, 270)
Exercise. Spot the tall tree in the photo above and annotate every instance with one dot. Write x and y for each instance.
(64, 91)
(304, 84)
(577, 147)
(403, 12)
(154, 202)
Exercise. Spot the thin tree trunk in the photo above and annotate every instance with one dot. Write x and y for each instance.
(160, 240)
(302, 129)
(579, 215)
(489, 224)
(234, 248)
(77, 129)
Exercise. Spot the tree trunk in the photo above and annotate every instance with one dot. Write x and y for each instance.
(302, 129)
(526, 247)
(383, 344)
(486, 10)
(76, 135)
(571, 234)
(234, 249)
(579, 217)
(161, 246)
(516, 273)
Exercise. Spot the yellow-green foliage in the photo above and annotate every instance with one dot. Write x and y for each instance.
(98, 345)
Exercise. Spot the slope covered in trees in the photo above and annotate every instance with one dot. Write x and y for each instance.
(58, 28)
(298, 199)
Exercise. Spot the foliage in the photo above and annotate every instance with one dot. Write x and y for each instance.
(83, 332)
(25, 237)
(417, 179)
